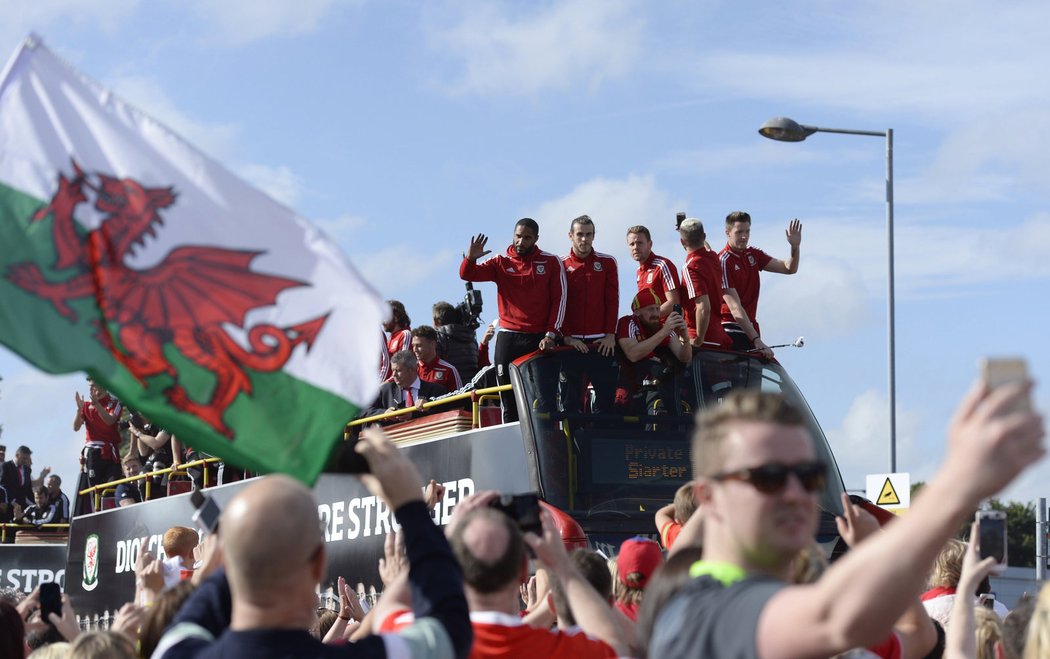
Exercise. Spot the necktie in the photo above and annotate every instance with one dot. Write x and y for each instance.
(410, 400)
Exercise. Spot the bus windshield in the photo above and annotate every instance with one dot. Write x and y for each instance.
(604, 448)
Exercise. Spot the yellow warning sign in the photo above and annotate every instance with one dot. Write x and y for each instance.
(888, 495)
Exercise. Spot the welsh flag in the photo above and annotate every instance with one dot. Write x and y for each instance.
(192, 296)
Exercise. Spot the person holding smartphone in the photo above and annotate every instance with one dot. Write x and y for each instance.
(759, 478)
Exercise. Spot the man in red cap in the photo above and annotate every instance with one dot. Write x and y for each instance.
(646, 342)
(638, 559)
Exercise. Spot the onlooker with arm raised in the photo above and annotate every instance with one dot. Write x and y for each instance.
(264, 604)
(757, 479)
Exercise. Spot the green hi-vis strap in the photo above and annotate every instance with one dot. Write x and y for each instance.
(726, 573)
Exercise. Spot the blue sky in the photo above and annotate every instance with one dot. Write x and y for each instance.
(402, 128)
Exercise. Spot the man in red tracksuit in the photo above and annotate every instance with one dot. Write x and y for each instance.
(593, 300)
(702, 283)
(530, 291)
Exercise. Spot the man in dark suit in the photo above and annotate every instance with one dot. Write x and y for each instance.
(17, 477)
(404, 389)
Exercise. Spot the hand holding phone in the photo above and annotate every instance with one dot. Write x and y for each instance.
(523, 509)
(50, 601)
(998, 372)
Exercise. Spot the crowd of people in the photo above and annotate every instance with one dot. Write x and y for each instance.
(739, 574)
(29, 500)
(545, 301)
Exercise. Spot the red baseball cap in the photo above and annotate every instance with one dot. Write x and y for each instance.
(645, 297)
(638, 559)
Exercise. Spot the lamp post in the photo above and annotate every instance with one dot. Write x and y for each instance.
(787, 130)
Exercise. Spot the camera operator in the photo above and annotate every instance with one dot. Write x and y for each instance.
(457, 342)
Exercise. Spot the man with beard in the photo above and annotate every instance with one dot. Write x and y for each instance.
(651, 347)
(530, 292)
(758, 477)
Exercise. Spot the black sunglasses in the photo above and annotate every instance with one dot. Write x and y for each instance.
(772, 478)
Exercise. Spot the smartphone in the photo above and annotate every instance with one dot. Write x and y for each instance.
(678, 219)
(991, 541)
(206, 515)
(1000, 371)
(50, 600)
(523, 509)
(987, 600)
(677, 308)
(345, 460)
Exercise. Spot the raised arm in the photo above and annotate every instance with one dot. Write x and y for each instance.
(860, 597)
(959, 639)
(469, 270)
(434, 577)
(788, 266)
(593, 614)
(78, 420)
(636, 350)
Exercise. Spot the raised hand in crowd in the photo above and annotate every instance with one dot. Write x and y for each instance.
(393, 563)
(350, 615)
(129, 619)
(960, 641)
(855, 524)
(66, 624)
(210, 558)
(149, 576)
(591, 611)
(433, 494)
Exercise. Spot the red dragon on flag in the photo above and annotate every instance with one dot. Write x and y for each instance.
(184, 301)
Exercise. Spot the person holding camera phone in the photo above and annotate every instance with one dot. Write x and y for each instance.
(263, 603)
(702, 288)
(758, 477)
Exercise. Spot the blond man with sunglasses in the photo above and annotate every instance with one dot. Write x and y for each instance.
(758, 479)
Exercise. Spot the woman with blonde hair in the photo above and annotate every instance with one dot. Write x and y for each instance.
(1037, 644)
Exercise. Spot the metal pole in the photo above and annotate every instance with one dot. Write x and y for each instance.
(891, 329)
(1040, 540)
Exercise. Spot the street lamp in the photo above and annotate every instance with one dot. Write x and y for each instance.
(787, 130)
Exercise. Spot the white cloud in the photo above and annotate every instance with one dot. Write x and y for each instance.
(825, 299)
(147, 94)
(413, 265)
(614, 205)
(511, 48)
(764, 153)
(281, 182)
(861, 443)
(242, 21)
(947, 62)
